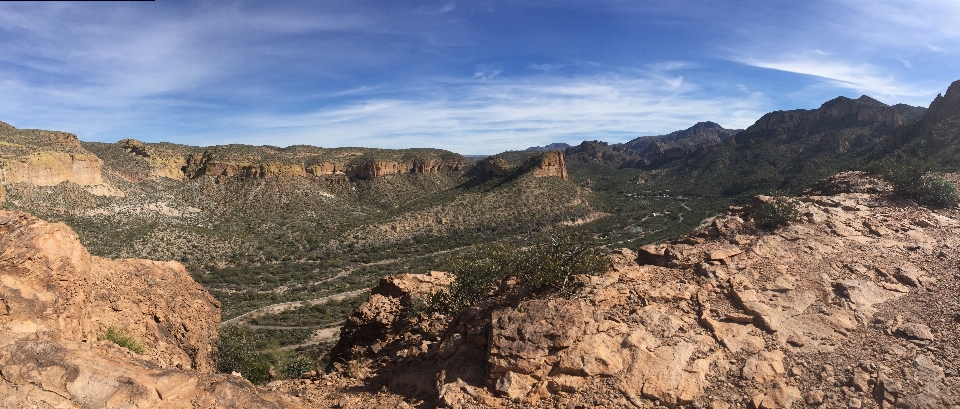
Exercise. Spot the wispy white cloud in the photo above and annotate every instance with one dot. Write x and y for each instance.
(346, 73)
(893, 50)
(908, 23)
(863, 78)
(514, 114)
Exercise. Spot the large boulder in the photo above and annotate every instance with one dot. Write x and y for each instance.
(57, 303)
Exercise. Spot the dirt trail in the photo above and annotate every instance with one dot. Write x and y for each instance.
(280, 307)
(319, 336)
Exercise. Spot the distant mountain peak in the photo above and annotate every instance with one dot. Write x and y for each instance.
(557, 146)
(706, 124)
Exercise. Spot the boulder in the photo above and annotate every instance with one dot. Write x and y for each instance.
(59, 302)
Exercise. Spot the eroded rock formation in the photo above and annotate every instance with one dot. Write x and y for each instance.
(551, 164)
(52, 168)
(57, 301)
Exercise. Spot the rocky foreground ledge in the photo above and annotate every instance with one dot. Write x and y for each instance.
(56, 300)
(856, 306)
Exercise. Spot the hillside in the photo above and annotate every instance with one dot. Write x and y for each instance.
(853, 306)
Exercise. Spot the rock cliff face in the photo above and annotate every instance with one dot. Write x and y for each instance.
(855, 306)
(45, 158)
(56, 301)
(537, 163)
(935, 136)
(207, 164)
(52, 168)
(550, 164)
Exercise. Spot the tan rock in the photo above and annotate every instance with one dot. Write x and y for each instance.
(860, 380)
(864, 295)
(915, 331)
(909, 274)
(767, 372)
(459, 394)
(515, 386)
(596, 354)
(724, 253)
(52, 168)
(767, 366)
(666, 373)
(408, 286)
(773, 312)
(566, 383)
(551, 164)
(59, 299)
(524, 337)
(735, 337)
(814, 397)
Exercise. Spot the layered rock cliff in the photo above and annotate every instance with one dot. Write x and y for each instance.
(320, 162)
(56, 304)
(46, 158)
(53, 168)
(537, 163)
(854, 306)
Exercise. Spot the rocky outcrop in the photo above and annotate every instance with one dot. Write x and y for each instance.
(495, 166)
(853, 306)
(935, 136)
(208, 164)
(537, 164)
(56, 304)
(52, 168)
(377, 168)
(550, 164)
(162, 162)
(325, 168)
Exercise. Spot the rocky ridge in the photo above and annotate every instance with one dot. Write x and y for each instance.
(539, 163)
(658, 150)
(56, 304)
(854, 306)
(934, 136)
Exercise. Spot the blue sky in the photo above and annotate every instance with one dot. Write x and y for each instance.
(473, 77)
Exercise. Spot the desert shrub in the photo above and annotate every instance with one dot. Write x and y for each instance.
(120, 337)
(938, 192)
(776, 212)
(238, 352)
(911, 178)
(542, 267)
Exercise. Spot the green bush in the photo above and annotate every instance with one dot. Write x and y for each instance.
(543, 267)
(910, 178)
(120, 337)
(938, 192)
(238, 352)
(777, 212)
